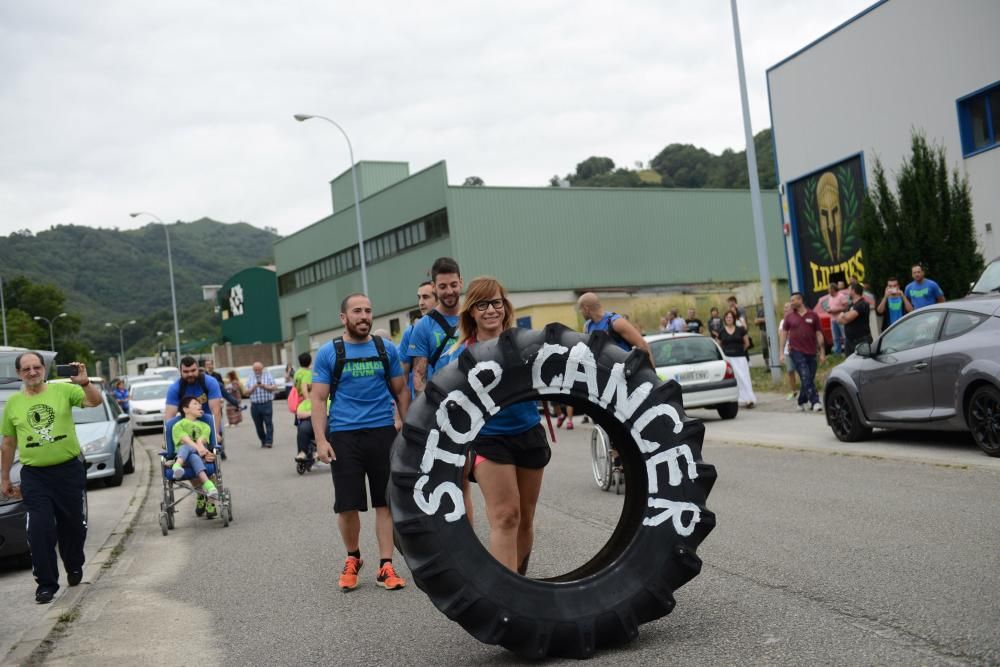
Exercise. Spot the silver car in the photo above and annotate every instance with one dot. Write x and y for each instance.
(938, 368)
(106, 441)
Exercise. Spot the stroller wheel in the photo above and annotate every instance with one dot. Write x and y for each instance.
(300, 468)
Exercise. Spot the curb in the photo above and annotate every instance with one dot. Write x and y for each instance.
(36, 642)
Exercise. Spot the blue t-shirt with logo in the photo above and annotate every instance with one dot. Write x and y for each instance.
(923, 293)
(180, 388)
(893, 309)
(604, 324)
(427, 336)
(362, 397)
(404, 356)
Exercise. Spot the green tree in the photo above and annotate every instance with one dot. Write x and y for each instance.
(927, 220)
(591, 167)
(473, 181)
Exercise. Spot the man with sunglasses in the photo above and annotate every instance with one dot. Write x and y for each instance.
(436, 332)
(38, 423)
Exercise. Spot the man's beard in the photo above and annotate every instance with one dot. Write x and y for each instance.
(354, 329)
(449, 301)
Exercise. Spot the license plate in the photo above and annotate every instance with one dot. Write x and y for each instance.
(692, 375)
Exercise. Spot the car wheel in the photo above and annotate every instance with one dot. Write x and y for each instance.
(984, 419)
(650, 553)
(119, 473)
(130, 464)
(843, 418)
(728, 410)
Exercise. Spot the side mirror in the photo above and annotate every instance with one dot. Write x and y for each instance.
(863, 350)
(122, 419)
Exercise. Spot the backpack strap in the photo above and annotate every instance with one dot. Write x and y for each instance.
(615, 336)
(449, 333)
(383, 356)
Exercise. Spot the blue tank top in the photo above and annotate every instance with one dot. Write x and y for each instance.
(604, 324)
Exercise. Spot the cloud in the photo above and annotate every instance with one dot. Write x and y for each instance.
(184, 108)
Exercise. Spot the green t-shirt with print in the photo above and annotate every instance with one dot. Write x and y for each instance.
(191, 428)
(302, 377)
(43, 424)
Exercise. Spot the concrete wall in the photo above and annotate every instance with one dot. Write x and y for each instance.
(900, 66)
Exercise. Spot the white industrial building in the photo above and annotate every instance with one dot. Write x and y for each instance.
(855, 94)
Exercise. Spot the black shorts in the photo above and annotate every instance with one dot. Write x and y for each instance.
(529, 449)
(360, 453)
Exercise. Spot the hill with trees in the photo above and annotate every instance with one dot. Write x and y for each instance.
(108, 275)
(680, 166)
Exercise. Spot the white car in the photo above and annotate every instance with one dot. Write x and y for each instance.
(697, 364)
(162, 372)
(146, 403)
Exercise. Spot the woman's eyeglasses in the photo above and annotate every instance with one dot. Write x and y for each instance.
(481, 306)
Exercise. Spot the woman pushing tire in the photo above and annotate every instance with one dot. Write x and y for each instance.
(651, 552)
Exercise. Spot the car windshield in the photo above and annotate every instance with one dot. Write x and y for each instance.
(685, 350)
(990, 280)
(165, 373)
(277, 372)
(92, 415)
(149, 392)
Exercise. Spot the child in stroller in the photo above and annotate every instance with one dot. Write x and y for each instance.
(191, 438)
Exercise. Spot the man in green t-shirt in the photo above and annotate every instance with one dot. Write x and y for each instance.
(303, 377)
(38, 423)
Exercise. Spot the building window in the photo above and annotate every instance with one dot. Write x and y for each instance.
(377, 249)
(979, 120)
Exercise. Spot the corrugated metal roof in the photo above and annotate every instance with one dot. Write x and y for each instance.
(569, 238)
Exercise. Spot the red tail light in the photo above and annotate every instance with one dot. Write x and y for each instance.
(729, 372)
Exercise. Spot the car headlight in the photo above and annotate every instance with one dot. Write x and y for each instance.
(94, 446)
(137, 411)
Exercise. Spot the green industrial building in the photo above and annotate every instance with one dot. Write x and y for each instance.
(642, 249)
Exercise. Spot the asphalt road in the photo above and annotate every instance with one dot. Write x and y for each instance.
(821, 555)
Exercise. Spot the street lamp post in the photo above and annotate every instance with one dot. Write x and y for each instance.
(170, 265)
(121, 339)
(52, 337)
(357, 201)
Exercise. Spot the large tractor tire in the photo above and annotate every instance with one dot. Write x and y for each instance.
(651, 552)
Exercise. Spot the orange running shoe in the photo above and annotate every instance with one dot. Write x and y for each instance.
(388, 579)
(349, 576)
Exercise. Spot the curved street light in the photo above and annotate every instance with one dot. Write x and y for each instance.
(170, 265)
(52, 337)
(357, 202)
(121, 340)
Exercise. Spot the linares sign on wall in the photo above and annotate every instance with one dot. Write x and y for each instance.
(236, 300)
(826, 207)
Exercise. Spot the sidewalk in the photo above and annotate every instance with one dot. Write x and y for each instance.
(113, 513)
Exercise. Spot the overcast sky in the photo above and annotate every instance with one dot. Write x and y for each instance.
(184, 108)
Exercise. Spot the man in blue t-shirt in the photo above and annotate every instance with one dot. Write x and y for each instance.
(193, 382)
(426, 300)
(894, 303)
(356, 433)
(621, 330)
(436, 332)
(922, 291)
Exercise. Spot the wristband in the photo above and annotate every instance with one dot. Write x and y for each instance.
(85, 385)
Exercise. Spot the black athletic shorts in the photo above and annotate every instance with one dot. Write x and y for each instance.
(529, 449)
(360, 453)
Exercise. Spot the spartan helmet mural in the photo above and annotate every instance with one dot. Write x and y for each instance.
(831, 223)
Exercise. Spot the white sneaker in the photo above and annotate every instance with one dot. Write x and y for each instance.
(817, 407)
(301, 456)
(801, 407)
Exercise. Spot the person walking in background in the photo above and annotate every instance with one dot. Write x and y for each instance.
(714, 322)
(787, 362)
(677, 323)
(832, 304)
(437, 330)
(426, 300)
(121, 395)
(234, 413)
(694, 325)
(894, 303)
(922, 291)
(735, 343)
(741, 313)
(38, 425)
(805, 341)
(231, 401)
(261, 388)
(622, 332)
(857, 329)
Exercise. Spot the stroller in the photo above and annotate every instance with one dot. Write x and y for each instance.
(171, 482)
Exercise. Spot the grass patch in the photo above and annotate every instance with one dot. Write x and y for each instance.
(69, 616)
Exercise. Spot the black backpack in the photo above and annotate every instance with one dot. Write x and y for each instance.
(338, 367)
(449, 333)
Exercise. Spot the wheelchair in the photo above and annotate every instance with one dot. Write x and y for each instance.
(168, 505)
(607, 472)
